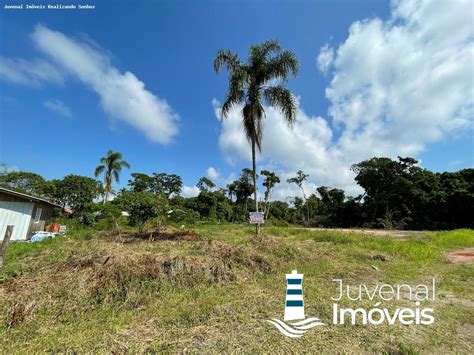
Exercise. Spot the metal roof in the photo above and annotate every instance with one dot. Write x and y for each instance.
(28, 197)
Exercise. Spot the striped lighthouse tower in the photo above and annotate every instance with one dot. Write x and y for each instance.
(294, 305)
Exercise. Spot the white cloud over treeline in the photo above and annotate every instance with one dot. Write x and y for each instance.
(395, 87)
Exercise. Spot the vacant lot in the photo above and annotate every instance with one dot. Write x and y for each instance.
(212, 289)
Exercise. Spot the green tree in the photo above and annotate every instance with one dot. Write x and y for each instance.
(332, 201)
(242, 189)
(205, 184)
(141, 182)
(140, 205)
(111, 165)
(76, 191)
(299, 179)
(169, 184)
(250, 84)
(389, 187)
(22, 181)
(271, 179)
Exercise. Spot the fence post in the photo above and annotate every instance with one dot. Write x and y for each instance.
(6, 241)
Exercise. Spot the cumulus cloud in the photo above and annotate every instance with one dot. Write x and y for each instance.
(325, 58)
(396, 87)
(29, 72)
(403, 84)
(122, 96)
(189, 191)
(212, 173)
(58, 106)
(306, 146)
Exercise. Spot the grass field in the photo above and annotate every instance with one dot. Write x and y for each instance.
(212, 289)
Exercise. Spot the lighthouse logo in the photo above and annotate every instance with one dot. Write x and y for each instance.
(295, 323)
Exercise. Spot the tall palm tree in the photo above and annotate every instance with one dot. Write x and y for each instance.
(252, 83)
(111, 165)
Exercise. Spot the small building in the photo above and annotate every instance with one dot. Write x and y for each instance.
(28, 214)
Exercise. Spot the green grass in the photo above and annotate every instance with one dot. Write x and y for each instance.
(85, 293)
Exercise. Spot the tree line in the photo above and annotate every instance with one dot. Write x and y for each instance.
(397, 194)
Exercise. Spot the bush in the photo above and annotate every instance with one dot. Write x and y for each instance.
(143, 206)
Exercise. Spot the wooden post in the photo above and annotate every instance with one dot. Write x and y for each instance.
(6, 241)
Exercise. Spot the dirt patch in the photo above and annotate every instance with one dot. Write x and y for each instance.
(189, 236)
(465, 256)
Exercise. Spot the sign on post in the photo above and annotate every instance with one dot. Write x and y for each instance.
(257, 218)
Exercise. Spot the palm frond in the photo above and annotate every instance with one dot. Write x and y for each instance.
(228, 59)
(116, 174)
(236, 93)
(281, 66)
(261, 52)
(99, 170)
(124, 164)
(282, 99)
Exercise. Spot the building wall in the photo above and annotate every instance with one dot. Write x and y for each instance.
(21, 213)
(18, 214)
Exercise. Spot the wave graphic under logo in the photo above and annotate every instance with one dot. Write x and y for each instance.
(295, 329)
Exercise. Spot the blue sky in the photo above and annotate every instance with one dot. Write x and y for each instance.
(62, 122)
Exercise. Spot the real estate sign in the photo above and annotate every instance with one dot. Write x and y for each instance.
(256, 218)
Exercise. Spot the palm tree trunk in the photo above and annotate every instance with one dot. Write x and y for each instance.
(108, 185)
(254, 167)
(267, 209)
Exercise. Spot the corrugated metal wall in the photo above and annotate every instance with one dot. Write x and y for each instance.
(17, 214)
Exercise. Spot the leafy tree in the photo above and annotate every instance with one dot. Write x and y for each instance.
(141, 182)
(140, 205)
(332, 201)
(22, 181)
(169, 184)
(401, 194)
(279, 210)
(250, 83)
(205, 184)
(111, 165)
(389, 187)
(212, 203)
(271, 179)
(299, 179)
(242, 189)
(75, 191)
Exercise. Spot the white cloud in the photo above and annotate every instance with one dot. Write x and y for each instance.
(212, 173)
(58, 106)
(30, 73)
(396, 87)
(122, 96)
(189, 191)
(306, 146)
(325, 58)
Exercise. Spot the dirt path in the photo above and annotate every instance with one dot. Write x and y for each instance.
(375, 232)
(464, 256)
